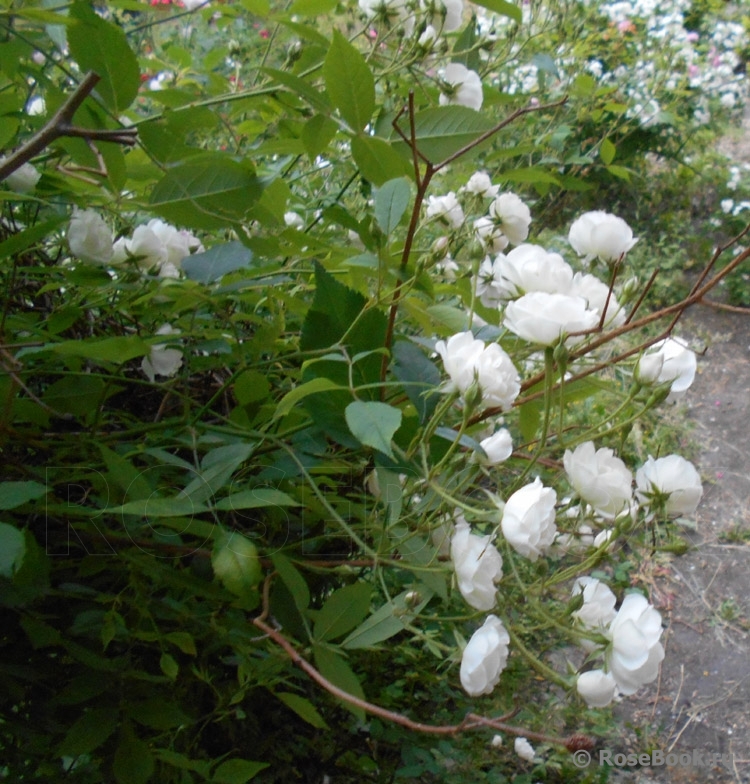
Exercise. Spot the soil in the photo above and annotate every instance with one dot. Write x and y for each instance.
(700, 704)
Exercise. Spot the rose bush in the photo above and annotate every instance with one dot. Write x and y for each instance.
(281, 399)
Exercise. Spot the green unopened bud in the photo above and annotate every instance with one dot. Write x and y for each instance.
(630, 290)
(473, 396)
(659, 395)
(440, 248)
(561, 356)
(412, 599)
(476, 251)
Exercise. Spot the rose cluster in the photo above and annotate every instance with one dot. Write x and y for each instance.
(154, 247)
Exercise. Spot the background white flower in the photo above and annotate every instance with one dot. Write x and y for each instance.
(524, 749)
(89, 237)
(484, 657)
(467, 360)
(447, 209)
(528, 521)
(162, 361)
(478, 566)
(23, 179)
(541, 317)
(598, 608)
(513, 216)
(498, 447)
(668, 360)
(597, 687)
(672, 477)
(636, 652)
(600, 478)
(529, 268)
(600, 234)
(462, 86)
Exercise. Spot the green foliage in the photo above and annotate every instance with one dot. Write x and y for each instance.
(190, 513)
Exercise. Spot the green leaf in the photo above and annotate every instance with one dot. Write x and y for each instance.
(237, 771)
(419, 376)
(290, 400)
(210, 191)
(160, 507)
(293, 580)
(303, 708)
(336, 669)
(385, 622)
(443, 130)
(373, 424)
(503, 8)
(317, 99)
(607, 151)
(158, 713)
(117, 349)
(312, 7)
(169, 666)
(13, 494)
(88, 732)
(342, 611)
(349, 82)
(235, 562)
(391, 201)
(256, 498)
(133, 763)
(619, 171)
(17, 243)
(378, 161)
(465, 49)
(102, 47)
(217, 468)
(530, 174)
(183, 641)
(217, 261)
(317, 134)
(12, 550)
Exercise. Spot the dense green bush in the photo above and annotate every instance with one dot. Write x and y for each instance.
(262, 368)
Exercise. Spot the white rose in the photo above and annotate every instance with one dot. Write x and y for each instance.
(162, 361)
(600, 478)
(145, 248)
(478, 566)
(489, 283)
(462, 87)
(528, 521)
(467, 360)
(636, 651)
(596, 293)
(524, 749)
(484, 657)
(446, 209)
(179, 244)
(390, 11)
(446, 14)
(541, 317)
(480, 184)
(600, 234)
(531, 268)
(668, 360)
(490, 235)
(23, 179)
(498, 447)
(89, 237)
(294, 220)
(598, 609)
(673, 478)
(597, 687)
(513, 215)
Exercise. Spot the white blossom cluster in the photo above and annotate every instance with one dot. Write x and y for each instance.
(542, 300)
(706, 63)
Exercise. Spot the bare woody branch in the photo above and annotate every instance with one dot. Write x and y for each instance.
(61, 124)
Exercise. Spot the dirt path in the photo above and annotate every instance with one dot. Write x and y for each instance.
(700, 705)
